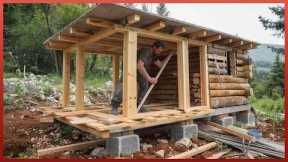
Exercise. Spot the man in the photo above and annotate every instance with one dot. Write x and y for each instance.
(146, 57)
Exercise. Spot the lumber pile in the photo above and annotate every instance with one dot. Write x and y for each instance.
(217, 60)
(258, 148)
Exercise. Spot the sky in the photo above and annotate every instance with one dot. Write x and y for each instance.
(241, 19)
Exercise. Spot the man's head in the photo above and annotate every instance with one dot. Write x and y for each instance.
(158, 47)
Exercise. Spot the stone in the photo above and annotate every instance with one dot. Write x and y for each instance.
(99, 152)
(123, 145)
(145, 147)
(184, 142)
(160, 153)
(246, 117)
(224, 121)
(184, 131)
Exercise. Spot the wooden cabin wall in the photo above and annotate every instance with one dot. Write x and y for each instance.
(229, 73)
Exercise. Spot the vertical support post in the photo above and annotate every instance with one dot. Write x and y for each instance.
(80, 72)
(183, 75)
(115, 68)
(130, 74)
(204, 80)
(66, 77)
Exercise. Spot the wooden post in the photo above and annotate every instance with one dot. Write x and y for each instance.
(204, 88)
(130, 74)
(183, 75)
(66, 77)
(80, 72)
(115, 68)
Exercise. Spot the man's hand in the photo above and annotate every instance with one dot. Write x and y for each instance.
(158, 63)
(153, 80)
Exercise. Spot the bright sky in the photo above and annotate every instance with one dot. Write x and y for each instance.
(241, 19)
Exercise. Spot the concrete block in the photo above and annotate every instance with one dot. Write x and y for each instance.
(123, 145)
(224, 121)
(246, 117)
(184, 131)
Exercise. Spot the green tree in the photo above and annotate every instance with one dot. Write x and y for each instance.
(162, 9)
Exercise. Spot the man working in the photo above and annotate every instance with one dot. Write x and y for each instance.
(146, 57)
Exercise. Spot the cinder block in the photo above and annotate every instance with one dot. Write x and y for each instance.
(246, 117)
(225, 121)
(123, 145)
(184, 131)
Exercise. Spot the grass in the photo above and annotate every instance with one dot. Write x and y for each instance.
(269, 107)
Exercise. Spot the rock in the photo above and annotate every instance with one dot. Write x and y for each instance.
(160, 153)
(165, 141)
(184, 142)
(145, 147)
(99, 152)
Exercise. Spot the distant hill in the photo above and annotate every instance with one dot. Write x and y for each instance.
(263, 57)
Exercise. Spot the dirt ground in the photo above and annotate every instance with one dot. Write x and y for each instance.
(24, 135)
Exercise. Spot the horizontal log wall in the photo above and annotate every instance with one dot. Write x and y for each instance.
(224, 89)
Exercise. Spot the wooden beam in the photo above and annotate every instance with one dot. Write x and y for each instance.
(179, 30)
(71, 147)
(80, 72)
(204, 88)
(246, 46)
(77, 32)
(236, 44)
(225, 41)
(66, 77)
(115, 70)
(212, 38)
(130, 74)
(156, 26)
(97, 36)
(132, 19)
(68, 39)
(183, 75)
(198, 34)
(97, 22)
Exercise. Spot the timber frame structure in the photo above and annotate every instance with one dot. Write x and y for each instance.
(118, 31)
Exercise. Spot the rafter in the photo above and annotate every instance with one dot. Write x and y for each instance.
(212, 38)
(179, 30)
(65, 38)
(156, 26)
(77, 32)
(236, 44)
(97, 22)
(225, 41)
(198, 34)
(246, 46)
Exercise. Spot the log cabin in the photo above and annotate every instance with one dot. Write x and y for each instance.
(207, 76)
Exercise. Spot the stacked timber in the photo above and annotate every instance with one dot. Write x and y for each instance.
(217, 60)
(244, 65)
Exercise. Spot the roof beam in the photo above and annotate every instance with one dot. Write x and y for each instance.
(236, 44)
(69, 39)
(77, 32)
(246, 46)
(156, 26)
(212, 38)
(225, 41)
(179, 30)
(198, 34)
(99, 22)
(132, 19)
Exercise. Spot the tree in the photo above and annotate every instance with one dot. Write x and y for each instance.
(162, 9)
(275, 25)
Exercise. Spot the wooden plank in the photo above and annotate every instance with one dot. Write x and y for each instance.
(69, 39)
(236, 44)
(231, 131)
(223, 93)
(97, 22)
(204, 88)
(228, 101)
(229, 86)
(179, 30)
(156, 26)
(246, 46)
(66, 77)
(198, 34)
(195, 151)
(130, 74)
(71, 147)
(75, 31)
(183, 75)
(225, 41)
(80, 73)
(132, 19)
(212, 38)
(115, 70)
